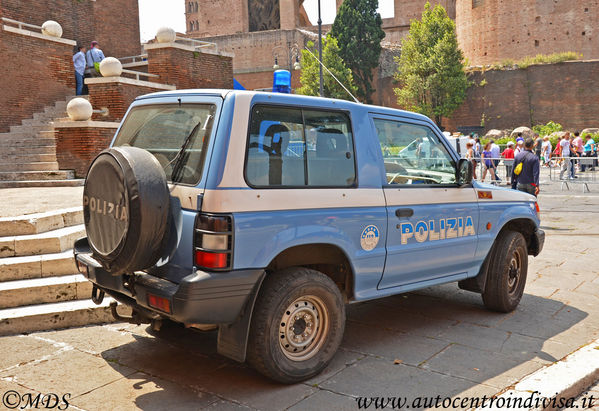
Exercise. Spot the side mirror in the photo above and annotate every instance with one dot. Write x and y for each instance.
(464, 172)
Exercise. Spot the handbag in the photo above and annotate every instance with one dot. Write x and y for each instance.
(97, 66)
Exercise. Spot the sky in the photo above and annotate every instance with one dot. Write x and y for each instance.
(154, 14)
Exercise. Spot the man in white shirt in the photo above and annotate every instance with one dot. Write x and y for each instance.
(567, 163)
(496, 155)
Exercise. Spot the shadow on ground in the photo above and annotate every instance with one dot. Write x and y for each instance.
(439, 341)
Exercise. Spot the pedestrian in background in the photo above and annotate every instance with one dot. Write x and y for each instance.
(94, 57)
(470, 156)
(564, 145)
(589, 151)
(508, 155)
(495, 153)
(546, 151)
(486, 157)
(538, 145)
(526, 177)
(576, 150)
(79, 64)
(519, 144)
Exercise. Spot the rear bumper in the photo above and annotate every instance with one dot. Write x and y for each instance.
(200, 298)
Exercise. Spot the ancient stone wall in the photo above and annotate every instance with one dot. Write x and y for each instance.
(186, 68)
(216, 17)
(567, 93)
(36, 72)
(113, 23)
(493, 30)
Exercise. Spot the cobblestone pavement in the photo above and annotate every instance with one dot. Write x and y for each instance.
(438, 341)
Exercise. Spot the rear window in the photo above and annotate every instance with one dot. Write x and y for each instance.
(292, 147)
(163, 130)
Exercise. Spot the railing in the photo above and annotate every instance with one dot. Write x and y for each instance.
(133, 59)
(139, 74)
(20, 24)
(197, 44)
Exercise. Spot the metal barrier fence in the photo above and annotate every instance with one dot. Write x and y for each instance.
(583, 171)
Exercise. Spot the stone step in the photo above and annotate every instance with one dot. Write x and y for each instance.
(27, 142)
(44, 290)
(10, 151)
(40, 222)
(37, 266)
(42, 183)
(37, 175)
(33, 166)
(27, 157)
(54, 241)
(30, 129)
(53, 316)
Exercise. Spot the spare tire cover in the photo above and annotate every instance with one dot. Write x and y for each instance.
(125, 209)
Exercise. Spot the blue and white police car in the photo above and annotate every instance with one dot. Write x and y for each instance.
(263, 215)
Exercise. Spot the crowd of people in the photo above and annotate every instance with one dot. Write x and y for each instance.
(86, 63)
(532, 153)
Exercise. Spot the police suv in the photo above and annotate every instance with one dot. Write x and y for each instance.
(264, 214)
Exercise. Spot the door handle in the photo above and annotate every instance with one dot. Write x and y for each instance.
(404, 212)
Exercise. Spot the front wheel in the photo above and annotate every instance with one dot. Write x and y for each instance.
(507, 273)
(297, 325)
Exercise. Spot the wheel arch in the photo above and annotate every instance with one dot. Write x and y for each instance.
(327, 258)
(522, 225)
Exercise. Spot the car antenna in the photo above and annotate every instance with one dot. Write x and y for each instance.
(329, 71)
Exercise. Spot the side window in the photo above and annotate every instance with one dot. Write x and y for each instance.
(330, 149)
(299, 148)
(413, 154)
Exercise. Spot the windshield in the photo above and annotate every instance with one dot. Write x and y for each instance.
(164, 129)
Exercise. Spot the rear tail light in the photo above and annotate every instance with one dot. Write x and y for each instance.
(81, 267)
(537, 208)
(213, 242)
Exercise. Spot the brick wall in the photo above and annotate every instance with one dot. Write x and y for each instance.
(185, 68)
(492, 30)
(35, 73)
(113, 23)
(76, 147)
(116, 96)
(567, 93)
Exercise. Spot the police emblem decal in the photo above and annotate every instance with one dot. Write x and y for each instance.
(369, 238)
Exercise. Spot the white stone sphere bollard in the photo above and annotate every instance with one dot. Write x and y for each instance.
(52, 28)
(166, 35)
(79, 109)
(111, 67)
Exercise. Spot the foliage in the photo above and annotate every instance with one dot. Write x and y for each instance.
(310, 77)
(538, 59)
(547, 129)
(431, 66)
(358, 30)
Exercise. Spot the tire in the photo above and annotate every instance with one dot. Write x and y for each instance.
(275, 348)
(506, 277)
(125, 209)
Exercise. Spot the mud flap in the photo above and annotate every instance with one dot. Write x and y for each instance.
(233, 338)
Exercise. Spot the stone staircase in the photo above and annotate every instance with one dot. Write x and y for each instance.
(28, 152)
(40, 288)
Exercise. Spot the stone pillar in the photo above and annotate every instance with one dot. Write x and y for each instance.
(186, 66)
(79, 142)
(115, 94)
(289, 12)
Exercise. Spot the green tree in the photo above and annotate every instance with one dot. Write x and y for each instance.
(431, 66)
(310, 72)
(358, 29)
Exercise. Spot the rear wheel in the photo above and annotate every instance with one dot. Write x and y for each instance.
(297, 325)
(508, 268)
